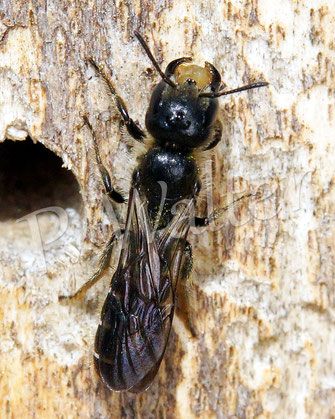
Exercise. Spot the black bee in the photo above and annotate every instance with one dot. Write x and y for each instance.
(137, 314)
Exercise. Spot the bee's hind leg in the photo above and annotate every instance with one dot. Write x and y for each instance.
(103, 266)
(185, 291)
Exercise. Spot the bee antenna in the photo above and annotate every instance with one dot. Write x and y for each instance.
(239, 89)
(152, 59)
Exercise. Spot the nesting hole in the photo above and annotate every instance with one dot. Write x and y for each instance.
(32, 178)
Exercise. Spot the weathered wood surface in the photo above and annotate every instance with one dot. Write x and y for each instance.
(263, 283)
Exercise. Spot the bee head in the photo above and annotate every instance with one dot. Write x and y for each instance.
(177, 112)
(184, 105)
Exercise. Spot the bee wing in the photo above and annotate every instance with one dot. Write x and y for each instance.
(172, 239)
(137, 314)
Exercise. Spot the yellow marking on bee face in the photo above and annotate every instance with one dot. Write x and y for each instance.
(201, 75)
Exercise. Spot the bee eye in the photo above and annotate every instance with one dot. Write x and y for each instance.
(157, 107)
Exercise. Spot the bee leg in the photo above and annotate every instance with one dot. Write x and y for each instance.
(133, 129)
(109, 190)
(205, 221)
(103, 265)
(184, 291)
(216, 137)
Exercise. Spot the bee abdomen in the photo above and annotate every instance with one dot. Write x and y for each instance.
(128, 344)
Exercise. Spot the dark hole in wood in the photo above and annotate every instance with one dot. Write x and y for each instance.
(32, 178)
